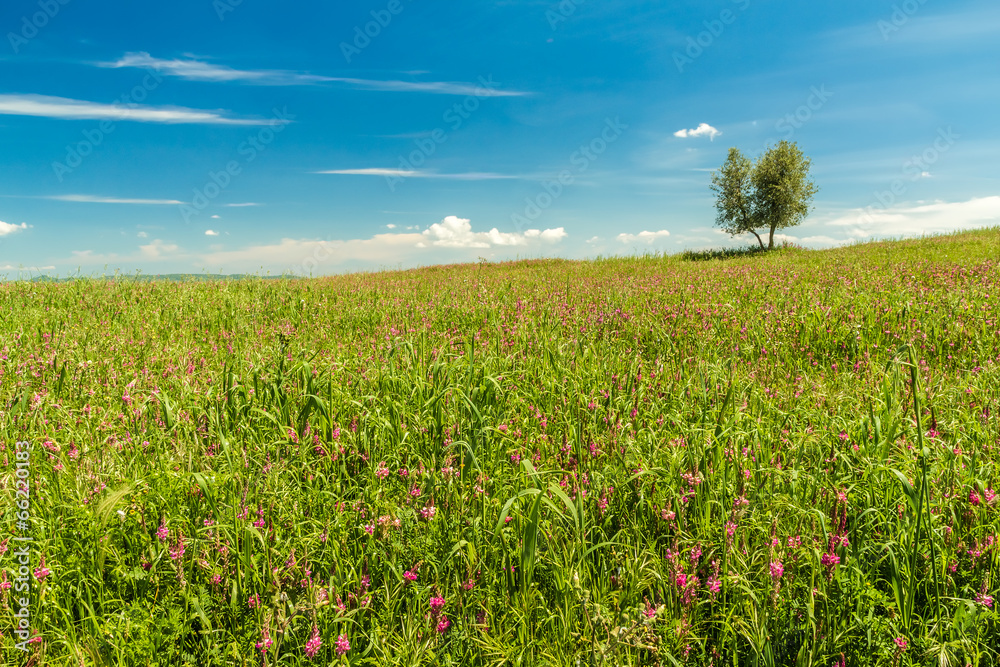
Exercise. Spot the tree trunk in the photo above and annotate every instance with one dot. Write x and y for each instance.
(770, 241)
(759, 239)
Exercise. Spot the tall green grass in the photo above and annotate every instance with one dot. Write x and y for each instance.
(772, 459)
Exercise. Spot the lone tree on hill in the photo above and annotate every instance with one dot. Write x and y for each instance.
(772, 193)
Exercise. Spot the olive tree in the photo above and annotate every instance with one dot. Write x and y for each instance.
(770, 194)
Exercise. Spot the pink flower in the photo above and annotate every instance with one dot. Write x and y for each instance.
(162, 531)
(973, 497)
(312, 646)
(437, 604)
(901, 643)
(177, 550)
(265, 641)
(443, 626)
(410, 575)
(829, 561)
(41, 571)
(343, 646)
(777, 570)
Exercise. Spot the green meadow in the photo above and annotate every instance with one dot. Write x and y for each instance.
(747, 459)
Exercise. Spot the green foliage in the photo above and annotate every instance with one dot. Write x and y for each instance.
(772, 193)
(776, 459)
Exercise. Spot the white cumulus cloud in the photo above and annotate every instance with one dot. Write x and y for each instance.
(211, 232)
(643, 237)
(703, 130)
(7, 228)
(455, 232)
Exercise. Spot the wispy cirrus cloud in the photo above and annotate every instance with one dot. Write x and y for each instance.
(93, 199)
(45, 106)
(193, 69)
(411, 173)
(432, 87)
(200, 70)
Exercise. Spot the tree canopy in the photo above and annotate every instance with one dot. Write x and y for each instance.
(772, 193)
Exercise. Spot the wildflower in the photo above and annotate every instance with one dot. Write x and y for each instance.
(973, 497)
(777, 570)
(177, 550)
(253, 601)
(901, 643)
(443, 625)
(437, 604)
(41, 571)
(382, 472)
(162, 531)
(265, 641)
(984, 599)
(343, 646)
(714, 583)
(410, 575)
(312, 646)
(428, 512)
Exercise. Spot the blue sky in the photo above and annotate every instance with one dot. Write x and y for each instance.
(243, 136)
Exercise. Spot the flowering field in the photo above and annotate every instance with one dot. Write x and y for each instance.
(783, 459)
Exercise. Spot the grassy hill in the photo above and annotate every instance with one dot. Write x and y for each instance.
(778, 459)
